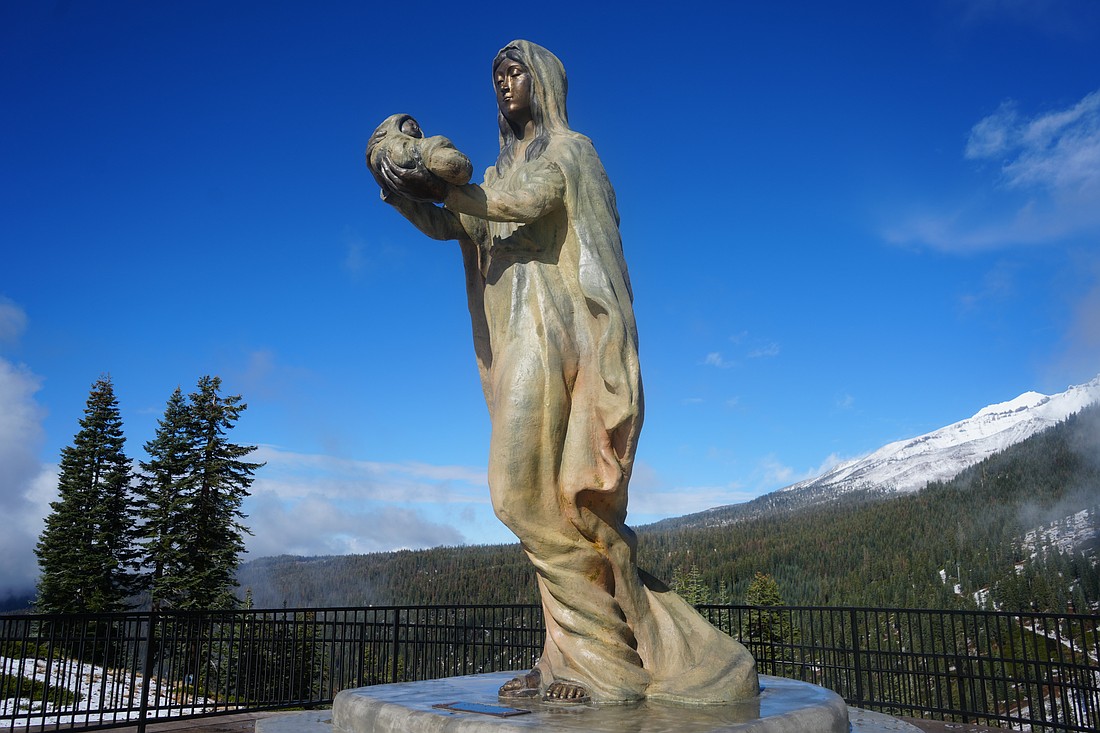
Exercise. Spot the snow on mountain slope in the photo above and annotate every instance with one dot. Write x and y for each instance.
(908, 465)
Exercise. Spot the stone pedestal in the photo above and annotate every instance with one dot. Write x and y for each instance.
(784, 706)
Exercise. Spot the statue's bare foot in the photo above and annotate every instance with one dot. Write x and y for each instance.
(525, 685)
(569, 693)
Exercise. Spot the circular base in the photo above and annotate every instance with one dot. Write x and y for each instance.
(783, 706)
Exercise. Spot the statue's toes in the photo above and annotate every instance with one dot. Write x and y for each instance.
(525, 685)
(568, 693)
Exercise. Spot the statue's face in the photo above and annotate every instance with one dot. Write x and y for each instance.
(410, 127)
(513, 85)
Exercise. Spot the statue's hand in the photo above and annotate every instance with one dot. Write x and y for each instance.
(406, 163)
(416, 183)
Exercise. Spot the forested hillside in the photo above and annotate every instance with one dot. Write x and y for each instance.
(958, 543)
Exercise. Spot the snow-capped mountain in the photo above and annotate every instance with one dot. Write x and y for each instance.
(908, 465)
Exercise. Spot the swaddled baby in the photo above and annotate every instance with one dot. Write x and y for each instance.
(405, 162)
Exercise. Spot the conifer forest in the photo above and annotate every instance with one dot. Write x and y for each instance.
(963, 543)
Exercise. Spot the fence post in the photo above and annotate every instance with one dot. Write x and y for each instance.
(855, 656)
(396, 643)
(147, 673)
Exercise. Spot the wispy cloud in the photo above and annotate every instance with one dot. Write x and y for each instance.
(309, 504)
(1046, 182)
(652, 498)
(765, 351)
(650, 506)
(998, 284)
(773, 474)
(13, 320)
(1056, 18)
(715, 359)
(314, 525)
(26, 485)
(343, 477)
(1058, 151)
(756, 349)
(355, 261)
(1079, 353)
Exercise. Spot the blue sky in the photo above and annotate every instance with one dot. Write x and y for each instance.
(846, 223)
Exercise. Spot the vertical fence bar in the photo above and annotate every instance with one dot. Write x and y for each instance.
(856, 656)
(396, 644)
(147, 671)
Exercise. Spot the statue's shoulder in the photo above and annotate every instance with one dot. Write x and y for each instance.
(570, 141)
(571, 150)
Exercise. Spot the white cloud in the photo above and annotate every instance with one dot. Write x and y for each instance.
(1079, 354)
(309, 504)
(1046, 187)
(26, 486)
(831, 461)
(12, 321)
(765, 351)
(651, 499)
(650, 506)
(774, 473)
(315, 525)
(287, 472)
(715, 359)
(1058, 151)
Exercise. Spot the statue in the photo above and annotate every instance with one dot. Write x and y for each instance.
(557, 350)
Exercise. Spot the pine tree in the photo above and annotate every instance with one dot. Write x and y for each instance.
(763, 591)
(769, 630)
(217, 481)
(690, 586)
(163, 489)
(86, 551)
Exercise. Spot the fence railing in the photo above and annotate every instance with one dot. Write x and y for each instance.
(98, 671)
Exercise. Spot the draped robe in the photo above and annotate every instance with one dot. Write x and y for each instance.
(557, 350)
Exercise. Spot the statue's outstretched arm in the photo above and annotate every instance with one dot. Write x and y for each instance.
(434, 221)
(543, 191)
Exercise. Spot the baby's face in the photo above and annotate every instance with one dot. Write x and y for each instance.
(410, 127)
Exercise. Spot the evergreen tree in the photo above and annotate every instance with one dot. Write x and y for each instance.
(768, 629)
(690, 586)
(86, 551)
(763, 591)
(216, 482)
(164, 489)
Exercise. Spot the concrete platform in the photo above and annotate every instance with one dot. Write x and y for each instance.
(784, 706)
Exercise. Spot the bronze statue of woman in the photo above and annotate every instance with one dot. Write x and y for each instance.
(557, 349)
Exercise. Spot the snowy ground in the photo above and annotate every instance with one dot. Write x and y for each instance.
(102, 694)
(1066, 534)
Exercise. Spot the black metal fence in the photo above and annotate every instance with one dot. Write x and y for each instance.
(1019, 671)
(99, 671)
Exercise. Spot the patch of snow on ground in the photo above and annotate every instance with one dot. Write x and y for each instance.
(104, 695)
(1064, 534)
